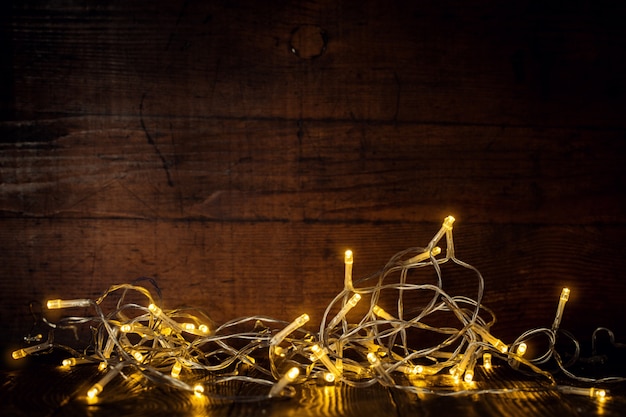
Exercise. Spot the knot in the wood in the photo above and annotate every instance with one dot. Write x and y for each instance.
(308, 41)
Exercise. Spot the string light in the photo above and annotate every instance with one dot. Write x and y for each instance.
(287, 379)
(381, 343)
(559, 312)
(296, 324)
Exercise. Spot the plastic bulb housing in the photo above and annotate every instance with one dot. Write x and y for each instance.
(424, 256)
(382, 313)
(559, 311)
(489, 338)
(374, 360)
(487, 364)
(446, 225)
(348, 261)
(97, 388)
(198, 390)
(57, 303)
(176, 368)
(290, 328)
(286, 379)
(22, 353)
(593, 392)
(353, 301)
(319, 354)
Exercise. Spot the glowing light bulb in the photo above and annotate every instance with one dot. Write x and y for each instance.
(188, 327)
(487, 360)
(597, 393)
(559, 311)
(353, 301)
(290, 328)
(469, 375)
(319, 354)
(203, 328)
(176, 368)
(446, 226)
(155, 309)
(424, 255)
(126, 328)
(22, 353)
(468, 357)
(56, 304)
(198, 390)
(286, 379)
(94, 391)
(521, 349)
(158, 313)
(378, 367)
(329, 377)
(489, 338)
(97, 388)
(382, 313)
(138, 356)
(348, 261)
(75, 361)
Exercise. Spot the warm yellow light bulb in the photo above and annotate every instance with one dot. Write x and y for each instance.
(329, 377)
(448, 221)
(521, 349)
(469, 375)
(198, 390)
(21, 353)
(319, 354)
(56, 304)
(188, 327)
(138, 356)
(176, 368)
(424, 255)
(597, 393)
(374, 360)
(348, 257)
(290, 328)
(559, 311)
(348, 261)
(94, 391)
(99, 386)
(75, 361)
(382, 313)
(353, 301)
(445, 227)
(126, 328)
(286, 379)
(489, 338)
(487, 360)
(203, 328)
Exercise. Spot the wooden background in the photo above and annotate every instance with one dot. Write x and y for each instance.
(233, 150)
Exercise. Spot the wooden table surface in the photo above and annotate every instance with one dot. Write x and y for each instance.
(41, 388)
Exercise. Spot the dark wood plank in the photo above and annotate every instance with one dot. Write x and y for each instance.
(171, 168)
(523, 63)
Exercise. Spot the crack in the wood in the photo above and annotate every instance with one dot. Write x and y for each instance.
(152, 143)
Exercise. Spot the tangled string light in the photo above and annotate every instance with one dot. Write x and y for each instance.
(413, 336)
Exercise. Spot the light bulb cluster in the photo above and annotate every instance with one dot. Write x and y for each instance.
(397, 327)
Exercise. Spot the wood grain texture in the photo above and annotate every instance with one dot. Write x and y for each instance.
(230, 170)
(521, 63)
